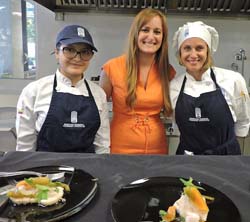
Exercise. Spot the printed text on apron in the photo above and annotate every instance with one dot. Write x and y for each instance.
(71, 123)
(206, 124)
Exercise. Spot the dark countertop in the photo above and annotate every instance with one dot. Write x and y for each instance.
(229, 174)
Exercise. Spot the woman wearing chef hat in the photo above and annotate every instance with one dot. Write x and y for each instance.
(64, 112)
(211, 105)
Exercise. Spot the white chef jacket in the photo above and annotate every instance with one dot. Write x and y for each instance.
(34, 102)
(233, 88)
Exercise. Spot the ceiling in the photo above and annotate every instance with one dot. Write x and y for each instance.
(194, 7)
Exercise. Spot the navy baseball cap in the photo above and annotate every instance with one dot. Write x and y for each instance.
(75, 34)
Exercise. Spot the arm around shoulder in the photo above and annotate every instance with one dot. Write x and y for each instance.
(105, 83)
(102, 138)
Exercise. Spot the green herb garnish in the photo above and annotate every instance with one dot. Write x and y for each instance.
(29, 181)
(162, 214)
(42, 193)
(189, 183)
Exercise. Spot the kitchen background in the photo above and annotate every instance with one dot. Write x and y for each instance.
(109, 31)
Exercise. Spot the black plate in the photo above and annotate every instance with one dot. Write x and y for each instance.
(83, 188)
(141, 201)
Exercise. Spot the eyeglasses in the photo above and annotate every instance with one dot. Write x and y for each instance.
(70, 53)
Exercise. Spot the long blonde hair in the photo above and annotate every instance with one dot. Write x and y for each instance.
(161, 58)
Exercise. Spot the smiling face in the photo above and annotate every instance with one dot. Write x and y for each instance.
(73, 68)
(193, 55)
(150, 36)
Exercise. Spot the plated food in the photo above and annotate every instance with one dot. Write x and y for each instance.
(190, 207)
(40, 190)
(144, 198)
(83, 188)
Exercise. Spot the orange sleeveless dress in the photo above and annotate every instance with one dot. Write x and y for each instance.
(140, 131)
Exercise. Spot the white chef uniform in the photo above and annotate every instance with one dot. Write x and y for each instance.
(233, 88)
(34, 103)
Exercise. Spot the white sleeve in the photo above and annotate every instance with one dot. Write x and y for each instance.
(175, 87)
(102, 138)
(241, 106)
(25, 121)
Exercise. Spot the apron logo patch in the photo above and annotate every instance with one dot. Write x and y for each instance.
(73, 119)
(198, 117)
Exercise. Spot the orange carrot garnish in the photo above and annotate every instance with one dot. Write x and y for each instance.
(25, 184)
(195, 196)
(171, 214)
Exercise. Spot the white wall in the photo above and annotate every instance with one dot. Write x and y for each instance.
(110, 34)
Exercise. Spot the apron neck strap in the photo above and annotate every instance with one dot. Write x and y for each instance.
(183, 83)
(87, 85)
(212, 76)
(55, 83)
(85, 81)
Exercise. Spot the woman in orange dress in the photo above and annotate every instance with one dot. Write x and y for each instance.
(138, 83)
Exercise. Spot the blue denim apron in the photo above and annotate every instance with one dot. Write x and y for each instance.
(71, 123)
(206, 124)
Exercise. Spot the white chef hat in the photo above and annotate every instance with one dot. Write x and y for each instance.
(196, 29)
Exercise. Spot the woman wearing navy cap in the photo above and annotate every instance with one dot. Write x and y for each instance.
(65, 112)
(211, 104)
